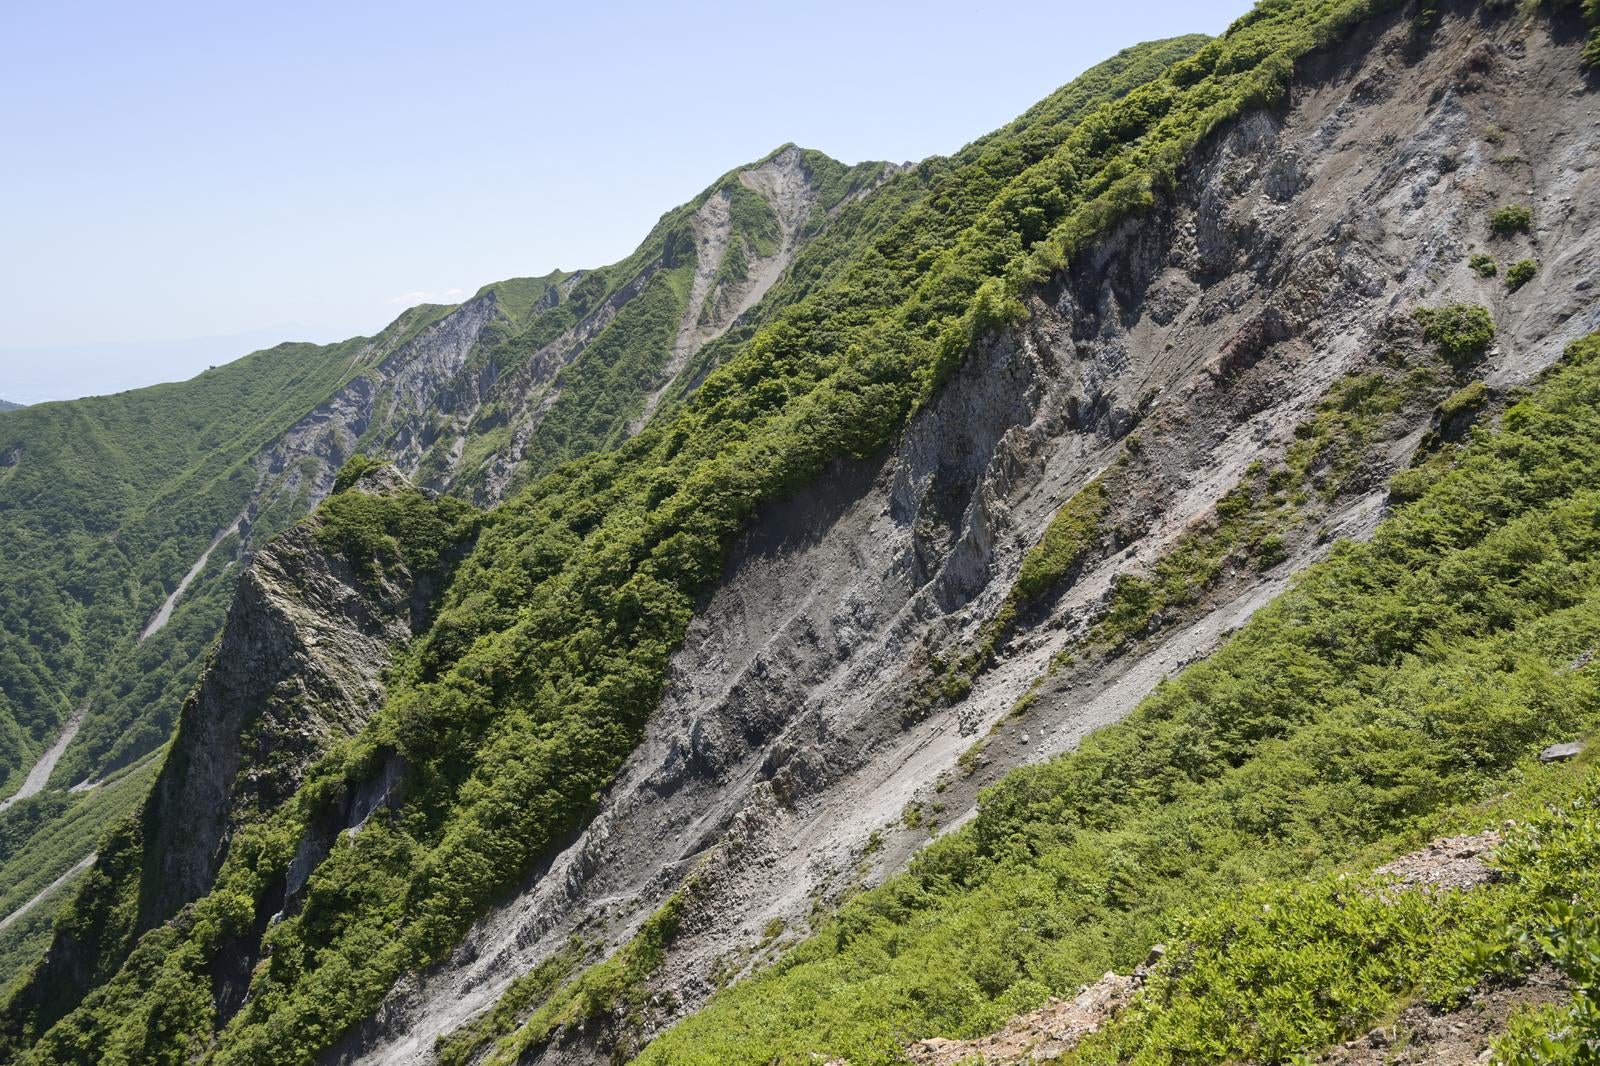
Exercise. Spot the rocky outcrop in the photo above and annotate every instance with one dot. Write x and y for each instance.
(1459, 1037)
(1446, 864)
(1041, 1035)
(1291, 255)
(715, 303)
(298, 666)
(409, 381)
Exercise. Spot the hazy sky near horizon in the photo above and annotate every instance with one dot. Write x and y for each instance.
(183, 182)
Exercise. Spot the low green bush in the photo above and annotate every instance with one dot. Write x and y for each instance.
(1520, 273)
(1510, 221)
(1462, 332)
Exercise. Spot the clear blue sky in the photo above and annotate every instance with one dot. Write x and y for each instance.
(182, 182)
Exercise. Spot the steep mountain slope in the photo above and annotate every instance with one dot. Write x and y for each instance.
(1264, 317)
(132, 515)
(1024, 432)
(968, 191)
(172, 473)
(7, 405)
(1398, 678)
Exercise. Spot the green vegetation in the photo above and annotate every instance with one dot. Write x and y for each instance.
(1465, 400)
(753, 219)
(1462, 332)
(527, 994)
(1571, 939)
(1520, 273)
(1483, 265)
(377, 533)
(1290, 967)
(1397, 682)
(1336, 718)
(1065, 542)
(606, 389)
(1510, 221)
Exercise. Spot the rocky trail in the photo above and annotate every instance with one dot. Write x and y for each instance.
(1459, 1037)
(44, 893)
(39, 774)
(164, 612)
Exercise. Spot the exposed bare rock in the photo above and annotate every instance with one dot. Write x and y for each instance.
(1291, 254)
(1561, 752)
(1039, 1036)
(1448, 863)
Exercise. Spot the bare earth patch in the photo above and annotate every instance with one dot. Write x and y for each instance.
(1449, 862)
(1450, 1037)
(1047, 1033)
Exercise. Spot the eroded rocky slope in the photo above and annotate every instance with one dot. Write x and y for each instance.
(1291, 257)
(299, 665)
(1219, 388)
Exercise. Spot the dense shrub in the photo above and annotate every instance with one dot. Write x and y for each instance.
(1462, 332)
(1520, 273)
(1510, 221)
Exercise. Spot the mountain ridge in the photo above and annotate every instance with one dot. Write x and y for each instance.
(1021, 432)
(150, 621)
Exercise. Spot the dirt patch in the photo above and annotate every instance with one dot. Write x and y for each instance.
(1449, 862)
(1044, 1034)
(1445, 1038)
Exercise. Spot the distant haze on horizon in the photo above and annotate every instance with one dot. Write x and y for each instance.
(188, 183)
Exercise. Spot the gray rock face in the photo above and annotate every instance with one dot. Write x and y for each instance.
(1292, 253)
(1561, 752)
(298, 666)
